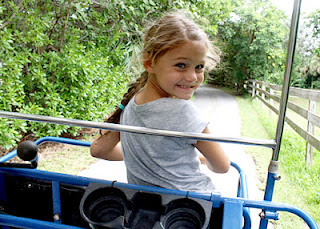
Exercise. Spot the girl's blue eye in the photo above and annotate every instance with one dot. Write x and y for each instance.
(181, 65)
(200, 66)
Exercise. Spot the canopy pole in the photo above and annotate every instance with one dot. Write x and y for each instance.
(287, 77)
(274, 164)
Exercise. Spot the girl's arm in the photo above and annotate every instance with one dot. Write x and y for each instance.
(217, 160)
(107, 146)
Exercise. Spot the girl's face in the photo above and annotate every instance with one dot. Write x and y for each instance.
(180, 71)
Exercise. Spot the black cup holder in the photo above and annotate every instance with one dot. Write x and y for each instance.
(104, 206)
(183, 213)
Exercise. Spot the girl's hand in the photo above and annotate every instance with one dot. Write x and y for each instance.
(203, 160)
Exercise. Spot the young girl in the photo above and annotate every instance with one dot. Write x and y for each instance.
(174, 57)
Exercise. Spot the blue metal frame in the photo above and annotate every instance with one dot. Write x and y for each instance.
(242, 188)
(235, 209)
(48, 139)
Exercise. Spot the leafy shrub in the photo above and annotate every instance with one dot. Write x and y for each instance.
(70, 79)
(69, 58)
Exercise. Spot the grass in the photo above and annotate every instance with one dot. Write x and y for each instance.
(299, 185)
(66, 159)
(253, 128)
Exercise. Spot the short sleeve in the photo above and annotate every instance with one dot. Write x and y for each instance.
(188, 119)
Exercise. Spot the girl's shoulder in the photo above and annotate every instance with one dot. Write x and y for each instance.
(164, 103)
(174, 104)
(174, 101)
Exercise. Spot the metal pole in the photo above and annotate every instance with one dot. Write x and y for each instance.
(274, 163)
(136, 129)
(287, 77)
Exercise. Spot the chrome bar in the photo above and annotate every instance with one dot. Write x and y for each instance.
(136, 129)
(287, 77)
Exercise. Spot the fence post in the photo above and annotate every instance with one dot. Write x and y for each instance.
(271, 102)
(309, 153)
(263, 95)
(253, 88)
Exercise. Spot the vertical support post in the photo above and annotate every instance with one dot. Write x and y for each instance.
(271, 102)
(56, 201)
(283, 104)
(263, 95)
(253, 88)
(309, 150)
(272, 177)
(287, 76)
(232, 214)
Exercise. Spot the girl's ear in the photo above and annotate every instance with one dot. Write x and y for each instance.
(147, 63)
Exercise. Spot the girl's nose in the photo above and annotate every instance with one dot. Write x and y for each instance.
(191, 76)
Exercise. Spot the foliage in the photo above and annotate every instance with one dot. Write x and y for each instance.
(252, 40)
(56, 62)
(72, 58)
(309, 74)
(308, 63)
(314, 24)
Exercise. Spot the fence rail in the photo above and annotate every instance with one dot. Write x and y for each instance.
(268, 93)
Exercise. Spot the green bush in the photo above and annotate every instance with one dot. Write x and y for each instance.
(54, 62)
(70, 58)
(74, 83)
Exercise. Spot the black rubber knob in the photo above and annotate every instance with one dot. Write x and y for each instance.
(27, 150)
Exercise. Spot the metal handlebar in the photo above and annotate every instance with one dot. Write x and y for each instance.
(136, 129)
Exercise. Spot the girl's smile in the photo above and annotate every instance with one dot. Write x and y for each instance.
(180, 71)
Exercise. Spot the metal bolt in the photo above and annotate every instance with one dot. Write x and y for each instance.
(277, 177)
(270, 215)
(56, 216)
(262, 215)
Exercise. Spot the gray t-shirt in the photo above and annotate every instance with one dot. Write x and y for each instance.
(160, 161)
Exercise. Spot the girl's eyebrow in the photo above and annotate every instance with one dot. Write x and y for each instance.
(181, 58)
(185, 58)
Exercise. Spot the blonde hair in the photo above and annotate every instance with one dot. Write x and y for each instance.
(167, 33)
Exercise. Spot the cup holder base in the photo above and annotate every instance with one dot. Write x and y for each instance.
(104, 206)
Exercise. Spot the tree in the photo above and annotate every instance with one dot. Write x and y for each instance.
(308, 52)
(252, 40)
(314, 24)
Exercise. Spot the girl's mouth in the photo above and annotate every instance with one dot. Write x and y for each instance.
(185, 86)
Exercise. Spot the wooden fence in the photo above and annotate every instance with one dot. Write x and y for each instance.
(268, 93)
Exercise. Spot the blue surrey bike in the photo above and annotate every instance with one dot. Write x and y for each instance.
(31, 198)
